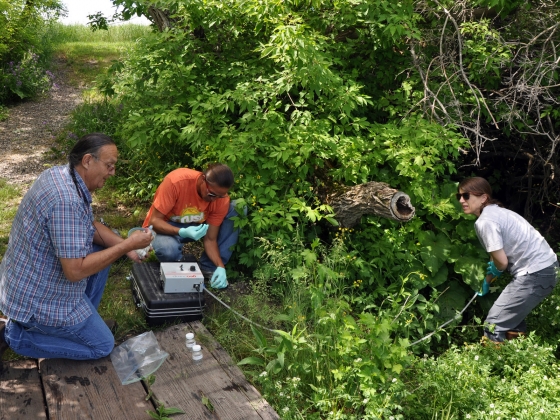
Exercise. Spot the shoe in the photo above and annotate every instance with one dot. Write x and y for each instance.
(510, 335)
(485, 342)
(3, 345)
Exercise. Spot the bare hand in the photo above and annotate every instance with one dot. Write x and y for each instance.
(133, 255)
(140, 238)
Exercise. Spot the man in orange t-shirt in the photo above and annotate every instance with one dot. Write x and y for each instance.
(189, 205)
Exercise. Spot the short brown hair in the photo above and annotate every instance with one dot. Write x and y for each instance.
(478, 186)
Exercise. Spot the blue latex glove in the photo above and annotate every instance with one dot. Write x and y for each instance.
(219, 279)
(493, 270)
(193, 232)
(485, 288)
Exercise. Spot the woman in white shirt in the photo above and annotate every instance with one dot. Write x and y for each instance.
(513, 244)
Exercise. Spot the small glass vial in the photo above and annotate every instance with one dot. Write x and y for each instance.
(190, 341)
(197, 354)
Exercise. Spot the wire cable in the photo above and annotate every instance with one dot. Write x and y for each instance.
(444, 324)
(238, 314)
(410, 345)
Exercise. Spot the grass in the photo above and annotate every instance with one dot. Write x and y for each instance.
(87, 60)
(61, 34)
(88, 54)
(10, 198)
(3, 113)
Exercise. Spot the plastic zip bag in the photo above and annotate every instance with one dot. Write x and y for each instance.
(143, 252)
(137, 358)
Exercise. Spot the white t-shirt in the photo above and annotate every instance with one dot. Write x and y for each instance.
(527, 251)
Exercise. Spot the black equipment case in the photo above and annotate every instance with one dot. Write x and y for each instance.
(158, 307)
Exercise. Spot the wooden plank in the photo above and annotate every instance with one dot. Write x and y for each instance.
(90, 389)
(262, 407)
(185, 385)
(21, 394)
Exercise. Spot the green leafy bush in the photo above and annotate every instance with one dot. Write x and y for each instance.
(518, 379)
(24, 48)
(332, 361)
(24, 79)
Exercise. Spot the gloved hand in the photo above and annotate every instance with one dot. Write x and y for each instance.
(485, 288)
(193, 232)
(219, 279)
(493, 270)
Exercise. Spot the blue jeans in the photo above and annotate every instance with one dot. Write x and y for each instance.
(168, 248)
(90, 339)
(517, 300)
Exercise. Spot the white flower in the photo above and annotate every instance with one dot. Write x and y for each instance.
(365, 401)
(491, 405)
(358, 360)
(394, 380)
(545, 378)
(263, 373)
(475, 357)
(285, 409)
(468, 416)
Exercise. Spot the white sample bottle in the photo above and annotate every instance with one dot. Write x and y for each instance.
(189, 340)
(197, 354)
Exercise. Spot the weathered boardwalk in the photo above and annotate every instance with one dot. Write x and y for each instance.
(67, 390)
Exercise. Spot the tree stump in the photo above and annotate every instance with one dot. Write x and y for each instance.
(377, 198)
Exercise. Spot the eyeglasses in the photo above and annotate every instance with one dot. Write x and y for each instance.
(110, 166)
(210, 194)
(465, 196)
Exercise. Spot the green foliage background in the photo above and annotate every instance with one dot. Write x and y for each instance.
(297, 98)
(301, 98)
(25, 48)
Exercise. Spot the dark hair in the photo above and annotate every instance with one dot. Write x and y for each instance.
(478, 186)
(90, 143)
(219, 174)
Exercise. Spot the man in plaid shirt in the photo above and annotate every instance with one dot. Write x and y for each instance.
(54, 271)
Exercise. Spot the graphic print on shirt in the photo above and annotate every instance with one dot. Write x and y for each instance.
(189, 215)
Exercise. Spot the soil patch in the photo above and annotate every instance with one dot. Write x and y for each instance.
(31, 127)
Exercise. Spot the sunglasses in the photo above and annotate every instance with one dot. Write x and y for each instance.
(210, 194)
(465, 196)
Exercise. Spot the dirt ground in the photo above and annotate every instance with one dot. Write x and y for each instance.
(29, 132)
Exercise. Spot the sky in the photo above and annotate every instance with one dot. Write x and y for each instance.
(78, 10)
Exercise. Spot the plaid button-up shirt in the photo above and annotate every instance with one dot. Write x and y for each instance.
(54, 220)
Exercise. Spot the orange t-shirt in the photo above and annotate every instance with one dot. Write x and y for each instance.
(178, 199)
